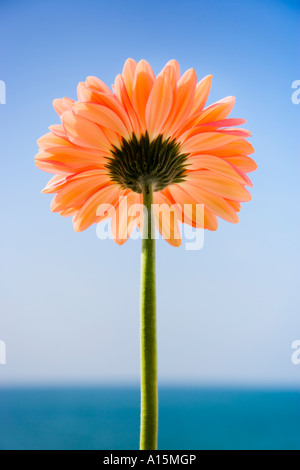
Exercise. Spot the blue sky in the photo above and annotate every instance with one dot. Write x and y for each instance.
(227, 314)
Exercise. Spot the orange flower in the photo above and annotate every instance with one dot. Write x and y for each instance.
(147, 130)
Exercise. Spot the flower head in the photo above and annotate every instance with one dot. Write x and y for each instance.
(153, 131)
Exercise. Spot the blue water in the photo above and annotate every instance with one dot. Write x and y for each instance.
(108, 419)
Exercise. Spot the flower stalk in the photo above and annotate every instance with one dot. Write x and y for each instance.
(149, 393)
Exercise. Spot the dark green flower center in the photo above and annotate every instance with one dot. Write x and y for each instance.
(141, 162)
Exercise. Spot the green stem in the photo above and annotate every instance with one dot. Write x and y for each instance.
(149, 395)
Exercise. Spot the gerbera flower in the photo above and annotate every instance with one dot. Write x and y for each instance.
(149, 142)
(153, 131)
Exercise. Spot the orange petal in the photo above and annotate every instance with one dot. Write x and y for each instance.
(235, 205)
(59, 131)
(186, 92)
(87, 214)
(188, 209)
(138, 212)
(51, 140)
(159, 104)
(54, 184)
(101, 115)
(216, 111)
(225, 122)
(62, 105)
(210, 220)
(189, 127)
(219, 184)
(242, 162)
(123, 221)
(69, 212)
(106, 99)
(84, 132)
(201, 94)
(216, 164)
(74, 159)
(87, 94)
(205, 142)
(234, 148)
(190, 195)
(169, 70)
(96, 84)
(142, 86)
(174, 64)
(235, 131)
(52, 167)
(104, 212)
(166, 219)
(128, 75)
(121, 93)
(77, 190)
(113, 137)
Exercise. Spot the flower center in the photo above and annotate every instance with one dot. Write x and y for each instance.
(140, 162)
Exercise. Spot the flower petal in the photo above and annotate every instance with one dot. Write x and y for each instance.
(87, 214)
(235, 131)
(207, 141)
(83, 132)
(189, 210)
(51, 140)
(243, 163)
(96, 84)
(55, 182)
(201, 94)
(186, 92)
(170, 71)
(74, 159)
(77, 190)
(234, 204)
(122, 95)
(106, 99)
(101, 115)
(113, 103)
(69, 212)
(159, 104)
(52, 167)
(166, 219)
(210, 220)
(219, 184)
(191, 194)
(62, 105)
(128, 75)
(216, 164)
(235, 148)
(59, 131)
(142, 86)
(175, 66)
(123, 221)
(216, 111)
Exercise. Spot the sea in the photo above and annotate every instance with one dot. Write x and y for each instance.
(107, 418)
